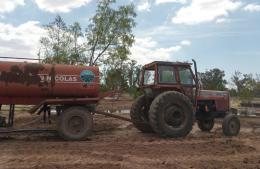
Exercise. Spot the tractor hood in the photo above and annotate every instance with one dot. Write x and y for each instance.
(220, 99)
(212, 93)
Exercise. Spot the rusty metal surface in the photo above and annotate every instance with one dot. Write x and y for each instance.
(31, 83)
(69, 101)
(114, 116)
(221, 98)
(167, 63)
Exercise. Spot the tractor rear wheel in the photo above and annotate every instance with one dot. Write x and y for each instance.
(75, 123)
(231, 125)
(206, 125)
(171, 115)
(139, 113)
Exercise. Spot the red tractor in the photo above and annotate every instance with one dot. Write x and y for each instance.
(172, 100)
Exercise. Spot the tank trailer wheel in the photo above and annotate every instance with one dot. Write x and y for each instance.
(206, 125)
(138, 115)
(171, 115)
(231, 125)
(75, 123)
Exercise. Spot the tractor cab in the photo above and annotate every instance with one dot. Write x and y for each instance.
(161, 76)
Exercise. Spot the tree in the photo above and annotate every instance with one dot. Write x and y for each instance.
(232, 92)
(257, 86)
(77, 52)
(237, 80)
(61, 44)
(108, 41)
(213, 79)
(110, 31)
(245, 85)
(54, 47)
(133, 73)
(115, 72)
(257, 90)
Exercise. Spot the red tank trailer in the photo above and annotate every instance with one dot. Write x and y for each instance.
(73, 90)
(32, 83)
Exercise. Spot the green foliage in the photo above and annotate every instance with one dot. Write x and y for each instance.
(245, 85)
(77, 52)
(233, 92)
(121, 73)
(54, 46)
(257, 90)
(257, 86)
(110, 31)
(134, 92)
(115, 80)
(108, 35)
(133, 72)
(246, 94)
(104, 88)
(61, 43)
(213, 79)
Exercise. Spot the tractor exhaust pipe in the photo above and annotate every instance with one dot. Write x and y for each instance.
(196, 70)
(197, 84)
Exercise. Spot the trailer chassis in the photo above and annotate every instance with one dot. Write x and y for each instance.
(44, 109)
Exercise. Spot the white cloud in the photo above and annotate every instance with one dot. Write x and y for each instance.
(252, 8)
(222, 20)
(200, 11)
(60, 5)
(9, 5)
(146, 50)
(186, 43)
(2, 17)
(144, 6)
(47, 5)
(20, 41)
(157, 2)
(146, 42)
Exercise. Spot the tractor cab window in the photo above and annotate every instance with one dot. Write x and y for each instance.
(166, 74)
(186, 76)
(149, 77)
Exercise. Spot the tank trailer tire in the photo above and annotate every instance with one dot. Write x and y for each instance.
(206, 125)
(75, 123)
(137, 114)
(171, 115)
(231, 125)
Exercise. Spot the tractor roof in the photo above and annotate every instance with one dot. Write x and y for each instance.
(168, 63)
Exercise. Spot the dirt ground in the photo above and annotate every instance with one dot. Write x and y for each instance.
(117, 144)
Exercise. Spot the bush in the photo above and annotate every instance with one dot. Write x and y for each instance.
(134, 92)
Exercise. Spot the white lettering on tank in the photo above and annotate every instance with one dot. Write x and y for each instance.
(60, 78)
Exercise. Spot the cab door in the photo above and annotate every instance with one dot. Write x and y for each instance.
(187, 82)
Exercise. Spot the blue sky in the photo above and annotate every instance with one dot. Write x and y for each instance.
(217, 33)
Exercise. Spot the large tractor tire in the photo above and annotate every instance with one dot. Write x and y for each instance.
(139, 115)
(75, 123)
(231, 125)
(206, 125)
(171, 115)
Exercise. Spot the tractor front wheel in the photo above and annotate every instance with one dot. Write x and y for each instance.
(206, 125)
(231, 125)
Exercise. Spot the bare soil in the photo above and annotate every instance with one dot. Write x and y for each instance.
(117, 144)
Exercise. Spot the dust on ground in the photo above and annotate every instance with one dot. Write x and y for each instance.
(117, 144)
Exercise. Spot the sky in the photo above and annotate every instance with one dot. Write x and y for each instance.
(216, 33)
